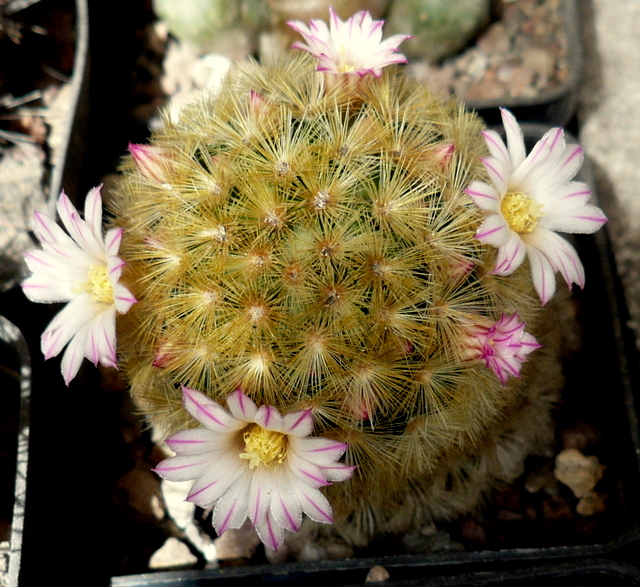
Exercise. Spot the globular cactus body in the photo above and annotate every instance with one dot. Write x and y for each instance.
(312, 244)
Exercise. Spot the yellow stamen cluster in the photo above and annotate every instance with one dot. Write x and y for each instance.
(263, 446)
(98, 285)
(521, 212)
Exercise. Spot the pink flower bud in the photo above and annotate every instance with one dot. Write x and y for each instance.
(503, 346)
(151, 162)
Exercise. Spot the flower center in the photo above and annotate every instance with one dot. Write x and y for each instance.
(344, 67)
(98, 285)
(521, 212)
(262, 447)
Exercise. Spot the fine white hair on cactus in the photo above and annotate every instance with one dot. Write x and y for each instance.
(81, 268)
(529, 199)
(254, 462)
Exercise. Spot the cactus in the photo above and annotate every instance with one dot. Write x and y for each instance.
(325, 247)
(317, 249)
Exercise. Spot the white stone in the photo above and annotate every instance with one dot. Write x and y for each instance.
(173, 553)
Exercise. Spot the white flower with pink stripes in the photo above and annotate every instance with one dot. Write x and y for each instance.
(81, 268)
(252, 461)
(529, 199)
(353, 47)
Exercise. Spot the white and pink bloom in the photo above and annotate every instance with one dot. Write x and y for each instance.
(83, 269)
(503, 345)
(353, 47)
(252, 461)
(529, 199)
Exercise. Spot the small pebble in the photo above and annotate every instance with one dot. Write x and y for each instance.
(591, 504)
(578, 472)
(173, 553)
(377, 573)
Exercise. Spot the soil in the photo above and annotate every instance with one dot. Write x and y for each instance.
(127, 92)
(521, 54)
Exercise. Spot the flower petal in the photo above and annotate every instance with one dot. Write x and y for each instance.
(285, 507)
(510, 255)
(498, 174)
(542, 273)
(320, 451)
(123, 299)
(101, 341)
(74, 354)
(184, 468)
(269, 531)
(259, 494)
(515, 139)
(269, 418)
(569, 163)
(78, 229)
(71, 319)
(93, 212)
(494, 231)
(194, 441)
(307, 471)
(312, 502)
(298, 424)
(232, 509)
(560, 254)
(241, 406)
(485, 196)
(210, 414)
(585, 219)
(211, 485)
(496, 147)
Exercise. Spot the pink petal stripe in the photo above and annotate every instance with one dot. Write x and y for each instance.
(256, 509)
(200, 491)
(478, 194)
(303, 417)
(481, 235)
(177, 445)
(113, 239)
(198, 399)
(293, 523)
(491, 167)
(225, 523)
(38, 218)
(577, 152)
(128, 300)
(119, 264)
(318, 480)
(165, 469)
(492, 138)
(273, 541)
(33, 256)
(318, 509)
(341, 446)
(579, 192)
